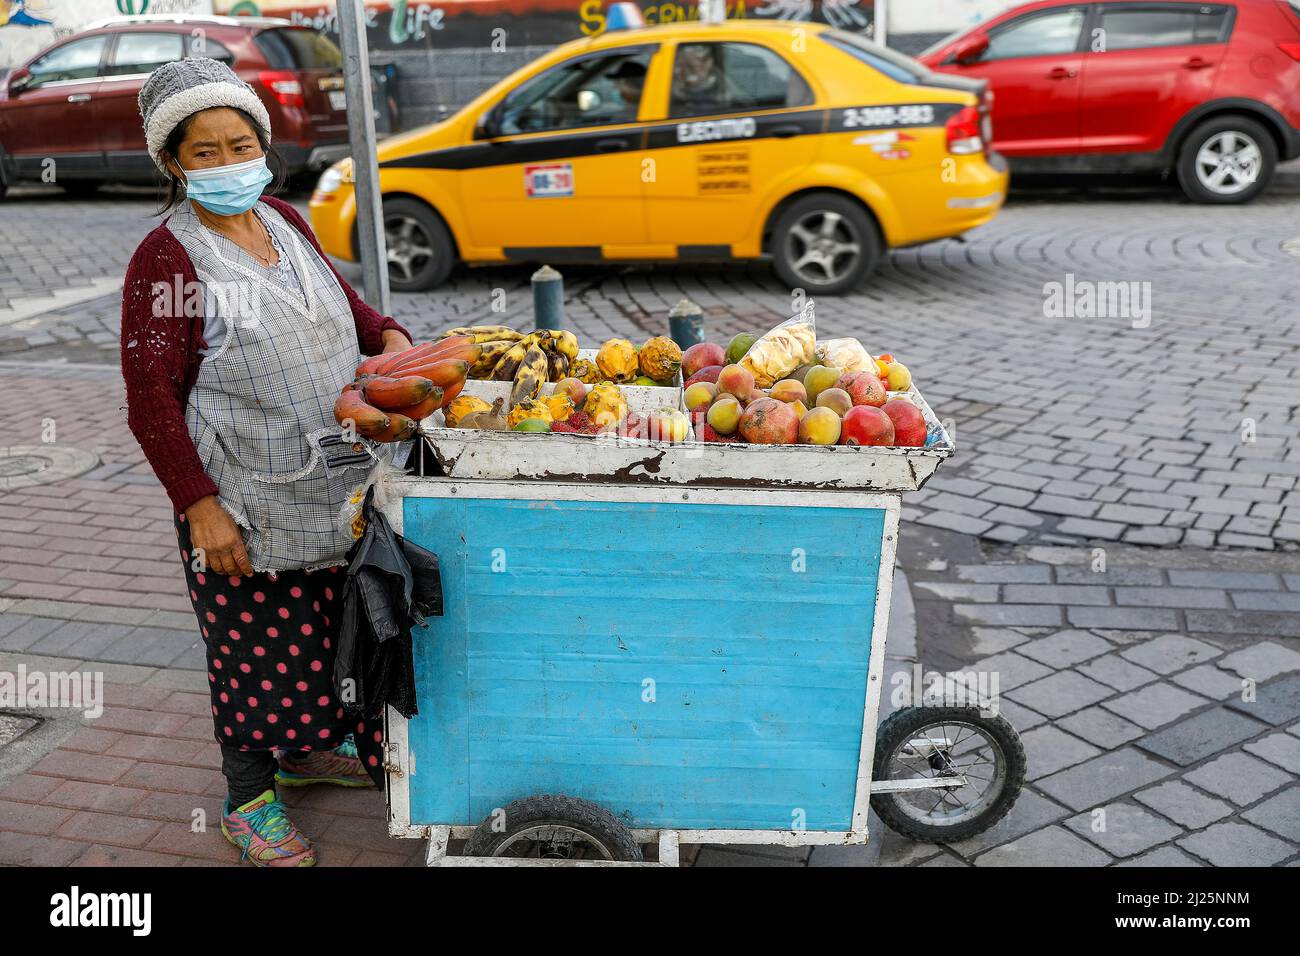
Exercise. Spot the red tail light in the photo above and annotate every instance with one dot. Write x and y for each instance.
(1290, 49)
(964, 133)
(284, 86)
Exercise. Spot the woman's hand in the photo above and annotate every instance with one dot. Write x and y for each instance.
(395, 341)
(215, 533)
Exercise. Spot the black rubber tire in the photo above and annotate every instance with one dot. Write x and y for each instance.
(81, 188)
(867, 235)
(901, 725)
(437, 267)
(593, 820)
(1193, 188)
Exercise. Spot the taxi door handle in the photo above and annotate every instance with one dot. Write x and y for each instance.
(1061, 73)
(786, 130)
(610, 145)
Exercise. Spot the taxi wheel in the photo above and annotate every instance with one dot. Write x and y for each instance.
(420, 249)
(824, 244)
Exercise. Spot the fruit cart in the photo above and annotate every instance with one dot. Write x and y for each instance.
(649, 644)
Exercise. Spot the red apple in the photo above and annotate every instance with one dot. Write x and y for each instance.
(867, 425)
(702, 355)
(909, 422)
(708, 374)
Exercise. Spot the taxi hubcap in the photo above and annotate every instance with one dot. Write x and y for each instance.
(822, 247)
(1228, 162)
(409, 247)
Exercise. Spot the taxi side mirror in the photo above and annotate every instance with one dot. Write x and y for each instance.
(971, 49)
(488, 126)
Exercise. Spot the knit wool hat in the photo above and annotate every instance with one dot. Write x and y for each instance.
(176, 91)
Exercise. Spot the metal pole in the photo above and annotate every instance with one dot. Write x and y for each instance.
(880, 22)
(365, 159)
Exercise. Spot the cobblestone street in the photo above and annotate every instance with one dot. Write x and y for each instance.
(1117, 540)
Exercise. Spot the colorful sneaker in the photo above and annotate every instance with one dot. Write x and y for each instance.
(340, 767)
(261, 830)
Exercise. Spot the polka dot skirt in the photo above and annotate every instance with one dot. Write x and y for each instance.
(271, 640)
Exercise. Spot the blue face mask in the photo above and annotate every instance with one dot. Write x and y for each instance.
(228, 190)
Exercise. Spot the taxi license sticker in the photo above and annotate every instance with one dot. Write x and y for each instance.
(548, 180)
(723, 171)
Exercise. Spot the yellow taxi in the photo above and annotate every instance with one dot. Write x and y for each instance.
(688, 141)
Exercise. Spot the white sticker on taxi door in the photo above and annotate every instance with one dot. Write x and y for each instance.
(548, 180)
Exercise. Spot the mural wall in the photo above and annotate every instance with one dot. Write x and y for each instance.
(404, 25)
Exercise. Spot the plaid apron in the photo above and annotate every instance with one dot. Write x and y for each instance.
(261, 412)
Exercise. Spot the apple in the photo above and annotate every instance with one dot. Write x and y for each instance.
(669, 424)
(702, 355)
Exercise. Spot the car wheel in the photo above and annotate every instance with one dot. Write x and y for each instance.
(420, 249)
(1228, 159)
(824, 244)
(81, 188)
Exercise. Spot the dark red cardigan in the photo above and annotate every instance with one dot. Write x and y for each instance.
(160, 355)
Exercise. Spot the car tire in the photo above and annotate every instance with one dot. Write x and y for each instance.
(81, 188)
(1248, 159)
(825, 244)
(421, 252)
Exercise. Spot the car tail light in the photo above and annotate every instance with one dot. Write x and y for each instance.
(964, 132)
(1290, 49)
(284, 86)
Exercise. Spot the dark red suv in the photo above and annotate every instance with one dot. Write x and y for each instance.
(1210, 91)
(73, 108)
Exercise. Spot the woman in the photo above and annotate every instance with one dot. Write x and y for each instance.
(237, 336)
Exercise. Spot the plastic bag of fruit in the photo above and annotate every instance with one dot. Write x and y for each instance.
(782, 350)
(846, 354)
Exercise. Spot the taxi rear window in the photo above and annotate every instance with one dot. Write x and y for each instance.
(893, 64)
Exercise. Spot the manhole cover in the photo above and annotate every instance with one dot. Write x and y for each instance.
(12, 727)
(24, 465)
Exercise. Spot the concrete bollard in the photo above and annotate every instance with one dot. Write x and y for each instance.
(686, 324)
(548, 299)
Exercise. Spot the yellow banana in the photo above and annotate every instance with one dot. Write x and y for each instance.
(491, 353)
(530, 376)
(508, 364)
(486, 333)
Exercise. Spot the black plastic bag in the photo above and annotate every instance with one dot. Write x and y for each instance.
(392, 586)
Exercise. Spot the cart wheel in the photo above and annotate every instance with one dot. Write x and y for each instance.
(554, 827)
(938, 742)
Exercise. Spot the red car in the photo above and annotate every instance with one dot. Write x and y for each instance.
(72, 109)
(1210, 91)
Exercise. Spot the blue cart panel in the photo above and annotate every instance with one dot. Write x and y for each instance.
(685, 665)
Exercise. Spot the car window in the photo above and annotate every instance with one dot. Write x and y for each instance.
(145, 52)
(202, 46)
(893, 64)
(1039, 35)
(733, 78)
(287, 49)
(586, 91)
(78, 60)
(1131, 28)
